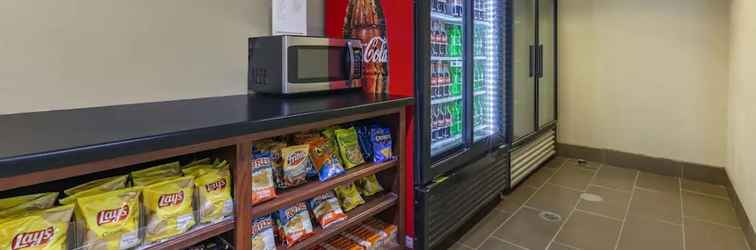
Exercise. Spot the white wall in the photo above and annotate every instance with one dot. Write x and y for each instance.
(645, 76)
(741, 165)
(69, 54)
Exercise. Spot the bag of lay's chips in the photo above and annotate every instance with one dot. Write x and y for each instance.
(110, 184)
(349, 196)
(213, 185)
(159, 173)
(380, 139)
(26, 203)
(198, 162)
(322, 157)
(43, 229)
(168, 208)
(111, 220)
(262, 234)
(349, 148)
(295, 163)
(263, 187)
(90, 185)
(369, 185)
(326, 209)
(294, 223)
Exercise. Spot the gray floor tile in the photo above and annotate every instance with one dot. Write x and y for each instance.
(587, 164)
(555, 163)
(708, 208)
(480, 232)
(658, 182)
(613, 203)
(555, 199)
(706, 236)
(641, 233)
(537, 179)
(573, 176)
(615, 177)
(657, 205)
(590, 232)
(458, 246)
(526, 228)
(496, 244)
(560, 246)
(514, 200)
(703, 187)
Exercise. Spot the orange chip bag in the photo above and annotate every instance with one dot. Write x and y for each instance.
(368, 239)
(111, 220)
(44, 229)
(326, 209)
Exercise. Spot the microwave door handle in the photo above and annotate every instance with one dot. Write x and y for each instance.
(350, 61)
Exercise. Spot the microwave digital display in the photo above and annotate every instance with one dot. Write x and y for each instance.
(317, 63)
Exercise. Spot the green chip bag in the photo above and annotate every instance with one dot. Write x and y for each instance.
(349, 147)
(349, 196)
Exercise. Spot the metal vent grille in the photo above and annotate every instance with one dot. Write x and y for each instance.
(528, 157)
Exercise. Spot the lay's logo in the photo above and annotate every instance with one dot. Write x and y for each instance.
(113, 215)
(296, 158)
(215, 186)
(173, 199)
(32, 239)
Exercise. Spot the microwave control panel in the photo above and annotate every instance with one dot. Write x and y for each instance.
(356, 63)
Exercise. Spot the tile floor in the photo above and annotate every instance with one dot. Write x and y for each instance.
(567, 205)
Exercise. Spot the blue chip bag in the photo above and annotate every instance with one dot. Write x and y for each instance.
(380, 137)
(363, 137)
(294, 224)
(262, 234)
(324, 160)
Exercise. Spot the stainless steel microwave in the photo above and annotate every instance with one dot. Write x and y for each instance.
(299, 64)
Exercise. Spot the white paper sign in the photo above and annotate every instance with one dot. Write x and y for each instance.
(289, 17)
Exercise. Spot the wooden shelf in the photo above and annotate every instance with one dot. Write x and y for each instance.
(354, 217)
(194, 236)
(312, 189)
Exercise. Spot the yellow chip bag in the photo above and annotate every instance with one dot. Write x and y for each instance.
(89, 185)
(213, 193)
(349, 196)
(44, 229)
(168, 168)
(110, 220)
(12, 205)
(110, 184)
(168, 208)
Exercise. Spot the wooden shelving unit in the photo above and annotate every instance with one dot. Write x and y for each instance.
(237, 149)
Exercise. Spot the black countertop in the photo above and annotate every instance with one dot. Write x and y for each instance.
(43, 140)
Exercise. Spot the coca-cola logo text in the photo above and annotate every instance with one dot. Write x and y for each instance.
(32, 239)
(173, 199)
(376, 50)
(113, 215)
(218, 185)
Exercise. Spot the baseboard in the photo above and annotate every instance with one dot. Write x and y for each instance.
(745, 223)
(662, 166)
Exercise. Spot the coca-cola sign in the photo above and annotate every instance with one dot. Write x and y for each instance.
(113, 215)
(32, 239)
(173, 199)
(376, 51)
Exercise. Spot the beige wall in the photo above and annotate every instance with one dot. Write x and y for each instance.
(645, 76)
(68, 54)
(741, 165)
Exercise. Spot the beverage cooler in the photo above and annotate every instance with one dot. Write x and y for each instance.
(461, 113)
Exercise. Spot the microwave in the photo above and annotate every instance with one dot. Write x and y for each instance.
(300, 64)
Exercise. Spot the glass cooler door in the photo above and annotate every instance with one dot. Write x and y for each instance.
(446, 80)
(488, 83)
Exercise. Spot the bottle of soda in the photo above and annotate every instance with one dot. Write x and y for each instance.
(443, 41)
(434, 124)
(456, 119)
(447, 121)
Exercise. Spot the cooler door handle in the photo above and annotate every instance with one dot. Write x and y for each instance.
(540, 60)
(532, 58)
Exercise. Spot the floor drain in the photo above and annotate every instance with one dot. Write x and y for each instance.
(550, 216)
(591, 197)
